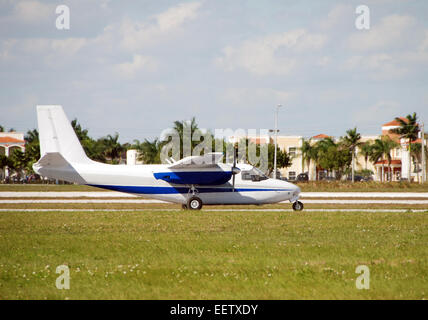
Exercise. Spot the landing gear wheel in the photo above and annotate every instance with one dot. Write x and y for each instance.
(184, 206)
(297, 206)
(194, 203)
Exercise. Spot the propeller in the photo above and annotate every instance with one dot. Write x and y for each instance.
(235, 169)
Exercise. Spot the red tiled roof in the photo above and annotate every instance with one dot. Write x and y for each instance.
(258, 140)
(10, 140)
(394, 122)
(386, 162)
(321, 136)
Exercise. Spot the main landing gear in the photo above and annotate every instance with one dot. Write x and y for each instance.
(297, 206)
(193, 201)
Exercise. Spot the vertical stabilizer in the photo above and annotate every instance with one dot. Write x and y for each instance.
(56, 135)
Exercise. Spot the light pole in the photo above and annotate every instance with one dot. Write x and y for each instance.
(424, 174)
(276, 133)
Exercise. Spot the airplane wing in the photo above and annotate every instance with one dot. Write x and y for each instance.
(205, 161)
(197, 170)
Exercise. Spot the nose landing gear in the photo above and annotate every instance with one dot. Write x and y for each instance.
(297, 206)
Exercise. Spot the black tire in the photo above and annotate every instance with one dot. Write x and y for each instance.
(194, 203)
(184, 206)
(297, 206)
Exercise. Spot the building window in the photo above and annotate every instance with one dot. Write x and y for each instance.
(292, 175)
(292, 151)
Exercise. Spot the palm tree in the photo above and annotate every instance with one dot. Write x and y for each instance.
(4, 162)
(183, 128)
(408, 130)
(149, 151)
(381, 149)
(112, 148)
(307, 151)
(417, 154)
(18, 161)
(366, 150)
(321, 148)
(352, 141)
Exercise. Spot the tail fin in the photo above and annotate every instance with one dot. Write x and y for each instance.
(56, 135)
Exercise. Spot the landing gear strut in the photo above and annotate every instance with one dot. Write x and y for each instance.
(193, 201)
(297, 206)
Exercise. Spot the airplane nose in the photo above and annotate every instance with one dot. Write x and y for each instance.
(295, 193)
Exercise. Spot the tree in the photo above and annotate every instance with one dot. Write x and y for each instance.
(149, 151)
(365, 151)
(319, 152)
(32, 149)
(408, 129)
(18, 161)
(417, 154)
(112, 149)
(352, 141)
(308, 153)
(381, 149)
(283, 160)
(4, 162)
(1, 129)
(183, 128)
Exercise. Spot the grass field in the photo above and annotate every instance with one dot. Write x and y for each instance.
(158, 254)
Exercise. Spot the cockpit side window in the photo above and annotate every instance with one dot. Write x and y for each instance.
(253, 175)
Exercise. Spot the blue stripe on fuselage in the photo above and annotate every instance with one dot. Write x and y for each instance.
(205, 178)
(170, 190)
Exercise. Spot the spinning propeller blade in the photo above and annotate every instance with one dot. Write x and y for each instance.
(234, 169)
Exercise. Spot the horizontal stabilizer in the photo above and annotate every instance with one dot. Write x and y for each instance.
(53, 165)
(52, 159)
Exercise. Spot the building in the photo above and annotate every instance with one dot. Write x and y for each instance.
(8, 142)
(382, 171)
(401, 159)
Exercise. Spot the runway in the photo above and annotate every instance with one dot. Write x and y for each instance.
(142, 201)
(304, 195)
(216, 210)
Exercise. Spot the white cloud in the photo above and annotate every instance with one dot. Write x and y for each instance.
(392, 31)
(176, 16)
(380, 66)
(17, 48)
(338, 17)
(272, 54)
(136, 35)
(32, 11)
(139, 63)
(259, 97)
(380, 112)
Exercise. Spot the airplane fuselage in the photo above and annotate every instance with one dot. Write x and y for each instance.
(141, 180)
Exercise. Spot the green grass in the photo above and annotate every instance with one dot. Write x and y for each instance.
(347, 186)
(46, 188)
(159, 254)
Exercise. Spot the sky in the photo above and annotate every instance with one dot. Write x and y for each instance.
(135, 67)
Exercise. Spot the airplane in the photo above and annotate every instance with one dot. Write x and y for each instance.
(192, 181)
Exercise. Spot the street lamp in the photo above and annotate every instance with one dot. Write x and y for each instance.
(276, 133)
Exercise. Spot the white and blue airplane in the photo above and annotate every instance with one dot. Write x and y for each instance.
(191, 182)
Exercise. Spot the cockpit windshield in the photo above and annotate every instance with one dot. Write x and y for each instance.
(254, 175)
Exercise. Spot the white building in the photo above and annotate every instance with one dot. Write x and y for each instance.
(8, 142)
